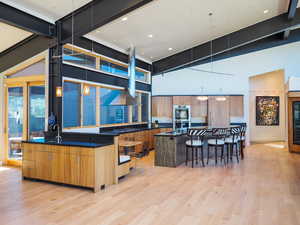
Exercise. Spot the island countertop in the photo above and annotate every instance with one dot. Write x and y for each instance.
(67, 143)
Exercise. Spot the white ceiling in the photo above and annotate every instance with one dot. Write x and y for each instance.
(49, 10)
(182, 24)
(11, 35)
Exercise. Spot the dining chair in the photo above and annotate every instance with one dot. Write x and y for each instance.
(195, 142)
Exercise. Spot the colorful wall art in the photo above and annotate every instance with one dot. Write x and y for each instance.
(267, 110)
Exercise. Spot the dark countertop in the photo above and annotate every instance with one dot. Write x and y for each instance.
(128, 130)
(66, 143)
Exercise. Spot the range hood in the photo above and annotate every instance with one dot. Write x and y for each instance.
(130, 90)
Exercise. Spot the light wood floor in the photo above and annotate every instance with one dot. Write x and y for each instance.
(263, 189)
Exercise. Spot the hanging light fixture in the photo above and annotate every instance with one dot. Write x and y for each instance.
(221, 98)
(58, 91)
(202, 98)
(86, 90)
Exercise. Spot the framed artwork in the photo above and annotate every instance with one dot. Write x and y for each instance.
(267, 110)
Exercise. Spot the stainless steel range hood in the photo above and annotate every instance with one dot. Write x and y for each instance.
(130, 91)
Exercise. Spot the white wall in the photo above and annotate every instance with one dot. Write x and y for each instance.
(185, 82)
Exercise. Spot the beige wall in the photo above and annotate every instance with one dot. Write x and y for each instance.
(268, 84)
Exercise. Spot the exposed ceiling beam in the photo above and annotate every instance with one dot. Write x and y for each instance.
(226, 43)
(23, 50)
(265, 43)
(292, 9)
(94, 15)
(25, 21)
(291, 14)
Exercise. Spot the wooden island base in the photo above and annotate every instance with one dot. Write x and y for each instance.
(86, 167)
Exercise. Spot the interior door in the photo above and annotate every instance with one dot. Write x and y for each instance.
(25, 116)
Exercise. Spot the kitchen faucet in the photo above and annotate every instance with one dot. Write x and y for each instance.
(58, 137)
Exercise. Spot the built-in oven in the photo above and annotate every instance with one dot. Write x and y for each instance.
(181, 116)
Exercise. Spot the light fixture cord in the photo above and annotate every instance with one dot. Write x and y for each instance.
(73, 26)
(211, 42)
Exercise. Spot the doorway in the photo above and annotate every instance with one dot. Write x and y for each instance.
(25, 117)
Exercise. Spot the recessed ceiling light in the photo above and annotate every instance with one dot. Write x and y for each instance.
(98, 31)
(266, 11)
(170, 49)
(124, 18)
(150, 36)
(151, 57)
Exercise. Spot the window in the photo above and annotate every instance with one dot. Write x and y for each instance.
(71, 104)
(79, 58)
(36, 111)
(83, 58)
(113, 68)
(89, 108)
(135, 108)
(81, 110)
(145, 107)
(113, 108)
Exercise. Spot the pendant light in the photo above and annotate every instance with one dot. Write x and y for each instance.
(86, 90)
(202, 97)
(221, 98)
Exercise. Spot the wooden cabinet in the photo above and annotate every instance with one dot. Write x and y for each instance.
(182, 100)
(236, 106)
(86, 167)
(198, 108)
(162, 107)
(218, 111)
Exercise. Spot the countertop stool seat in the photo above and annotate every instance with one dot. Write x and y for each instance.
(194, 143)
(217, 142)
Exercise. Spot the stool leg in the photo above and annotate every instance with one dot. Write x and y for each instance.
(216, 154)
(237, 152)
(192, 157)
(222, 154)
(207, 154)
(186, 155)
(227, 148)
(197, 157)
(202, 156)
(231, 151)
(242, 150)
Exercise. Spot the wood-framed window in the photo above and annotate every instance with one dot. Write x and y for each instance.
(104, 106)
(83, 58)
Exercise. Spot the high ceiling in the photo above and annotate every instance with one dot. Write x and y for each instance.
(49, 10)
(164, 27)
(11, 35)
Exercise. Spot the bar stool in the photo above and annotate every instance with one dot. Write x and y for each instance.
(195, 141)
(217, 141)
(233, 141)
(242, 139)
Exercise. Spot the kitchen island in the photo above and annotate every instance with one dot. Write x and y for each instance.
(170, 148)
(84, 164)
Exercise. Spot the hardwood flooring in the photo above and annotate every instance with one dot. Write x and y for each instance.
(261, 190)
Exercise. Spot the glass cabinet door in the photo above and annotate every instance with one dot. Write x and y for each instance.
(15, 122)
(296, 122)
